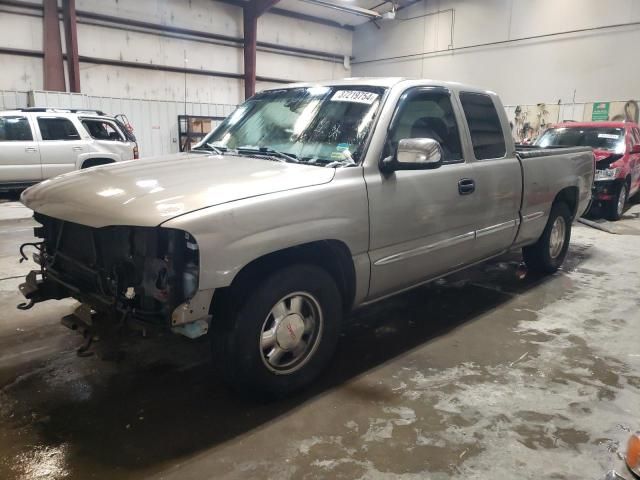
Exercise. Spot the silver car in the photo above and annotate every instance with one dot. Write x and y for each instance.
(40, 143)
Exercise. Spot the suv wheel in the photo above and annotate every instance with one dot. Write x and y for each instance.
(284, 333)
(615, 208)
(549, 252)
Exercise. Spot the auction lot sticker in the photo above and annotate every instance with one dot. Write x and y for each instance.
(354, 96)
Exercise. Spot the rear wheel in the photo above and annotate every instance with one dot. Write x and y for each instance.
(549, 252)
(615, 207)
(283, 334)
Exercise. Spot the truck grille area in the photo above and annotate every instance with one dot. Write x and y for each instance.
(145, 271)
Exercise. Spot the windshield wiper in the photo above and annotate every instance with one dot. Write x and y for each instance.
(281, 156)
(212, 148)
(347, 162)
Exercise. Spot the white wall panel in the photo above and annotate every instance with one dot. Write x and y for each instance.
(596, 65)
(104, 80)
(302, 69)
(20, 31)
(292, 32)
(203, 15)
(114, 44)
(20, 73)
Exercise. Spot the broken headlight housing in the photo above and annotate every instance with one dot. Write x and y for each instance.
(607, 174)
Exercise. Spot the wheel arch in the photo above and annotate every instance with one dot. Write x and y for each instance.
(96, 161)
(332, 255)
(569, 196)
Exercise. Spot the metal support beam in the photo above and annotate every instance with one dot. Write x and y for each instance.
(250, 25)
(250, 14)
(71, 40)
(53, 63)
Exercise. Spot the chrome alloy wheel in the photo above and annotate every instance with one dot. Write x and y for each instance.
(557, 237)
(291, 333)
(622, 198)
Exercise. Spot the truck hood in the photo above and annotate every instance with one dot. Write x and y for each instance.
(151, 191)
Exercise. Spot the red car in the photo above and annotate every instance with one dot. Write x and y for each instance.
(616, 146)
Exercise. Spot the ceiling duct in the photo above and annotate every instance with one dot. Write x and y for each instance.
(353, 10)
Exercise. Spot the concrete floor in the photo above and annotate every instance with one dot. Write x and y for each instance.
(481, 376)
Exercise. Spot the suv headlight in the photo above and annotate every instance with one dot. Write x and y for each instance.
(607, 173)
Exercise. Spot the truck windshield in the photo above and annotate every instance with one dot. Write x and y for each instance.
(318, 125)
(602, 138)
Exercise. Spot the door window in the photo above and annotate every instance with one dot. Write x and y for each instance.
(15, 129)
(57, 129)
(426, 113)
(485, 128)
(102, 130)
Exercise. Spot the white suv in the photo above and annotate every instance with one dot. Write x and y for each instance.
(39, 143)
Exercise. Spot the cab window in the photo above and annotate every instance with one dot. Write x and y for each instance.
(426, 113)
(486, 132)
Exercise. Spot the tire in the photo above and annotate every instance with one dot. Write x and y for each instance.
(549, 252)
(272, 349)
(615, 208)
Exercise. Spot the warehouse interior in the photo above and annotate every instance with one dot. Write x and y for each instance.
(491, 371)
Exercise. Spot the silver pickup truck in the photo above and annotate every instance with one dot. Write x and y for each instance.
(308, 201)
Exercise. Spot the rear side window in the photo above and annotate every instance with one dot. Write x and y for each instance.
(487, 137)
(57, 129)
(15, 129)
(102, 130)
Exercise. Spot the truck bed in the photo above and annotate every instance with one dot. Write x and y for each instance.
(533, 151)
(545, 172)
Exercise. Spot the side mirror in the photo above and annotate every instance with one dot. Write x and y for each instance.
(635, 148)
(414, 154)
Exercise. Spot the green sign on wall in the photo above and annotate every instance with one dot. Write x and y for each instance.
(600, 111)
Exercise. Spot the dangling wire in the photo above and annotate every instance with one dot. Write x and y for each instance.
(37, 245)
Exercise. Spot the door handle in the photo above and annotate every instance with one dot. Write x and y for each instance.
(466, 186)
(30, 149)
(77, 149)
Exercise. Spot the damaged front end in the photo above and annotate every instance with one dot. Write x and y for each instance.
(142, 277)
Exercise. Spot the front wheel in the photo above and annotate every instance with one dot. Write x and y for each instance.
(549, 252)
(615, 207)
(284, 333)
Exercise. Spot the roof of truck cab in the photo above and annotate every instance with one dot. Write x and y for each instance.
(386, 82)
(595, 124)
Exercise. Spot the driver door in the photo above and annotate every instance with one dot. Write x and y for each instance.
(422, 222)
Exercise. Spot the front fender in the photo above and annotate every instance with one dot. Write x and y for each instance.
(232, 235)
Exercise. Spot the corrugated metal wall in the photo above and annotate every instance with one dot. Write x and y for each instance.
(155, 123)
(12, 99)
